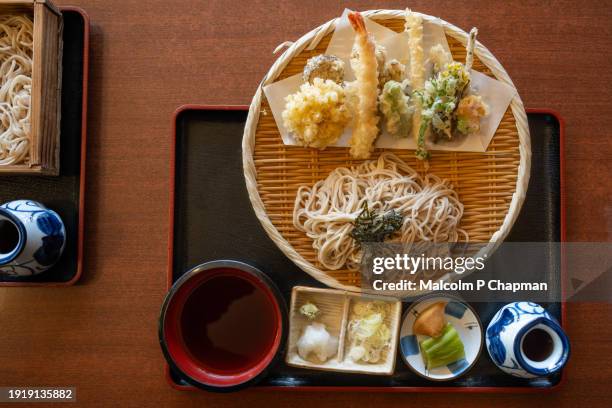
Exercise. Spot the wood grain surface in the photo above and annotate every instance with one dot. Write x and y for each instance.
(147, 58)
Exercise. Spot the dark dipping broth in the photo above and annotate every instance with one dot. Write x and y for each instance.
(228, 324)
(9, 236)
(537, 345)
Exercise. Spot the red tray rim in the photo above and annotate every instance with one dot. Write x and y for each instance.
(395, 389)
(81, 221)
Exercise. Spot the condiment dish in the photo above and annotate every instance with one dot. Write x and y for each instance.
(465, 321)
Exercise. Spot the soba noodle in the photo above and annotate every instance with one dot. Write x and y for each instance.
(326, 211)
(16, 47)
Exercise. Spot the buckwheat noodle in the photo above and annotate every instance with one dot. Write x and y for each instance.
(16, 48)
(326, 211)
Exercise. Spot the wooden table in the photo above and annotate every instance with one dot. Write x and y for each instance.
(147, 58)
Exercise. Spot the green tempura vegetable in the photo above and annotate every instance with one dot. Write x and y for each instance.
(395, 106)
(442, 350)
(441, 97)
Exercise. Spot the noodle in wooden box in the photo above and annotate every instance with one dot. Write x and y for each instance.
(30, 93)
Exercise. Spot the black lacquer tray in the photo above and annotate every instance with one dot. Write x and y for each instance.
(65, 193)
(212, 218)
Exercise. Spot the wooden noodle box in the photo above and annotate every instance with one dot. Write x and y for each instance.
(45, 105)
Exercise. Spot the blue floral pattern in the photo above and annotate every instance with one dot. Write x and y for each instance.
(496, 347)
(50, 251)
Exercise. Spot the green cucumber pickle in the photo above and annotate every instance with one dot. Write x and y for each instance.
(442, 350)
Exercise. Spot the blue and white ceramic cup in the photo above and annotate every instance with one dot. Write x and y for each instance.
(521, 330)
(32, 238)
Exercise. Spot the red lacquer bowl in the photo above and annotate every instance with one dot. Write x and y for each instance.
(218, 355)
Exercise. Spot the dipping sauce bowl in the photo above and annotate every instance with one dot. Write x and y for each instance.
(222, 325)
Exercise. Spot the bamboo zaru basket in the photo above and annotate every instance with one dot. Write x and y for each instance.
(491, 185)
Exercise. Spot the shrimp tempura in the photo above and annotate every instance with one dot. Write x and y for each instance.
(365, 129)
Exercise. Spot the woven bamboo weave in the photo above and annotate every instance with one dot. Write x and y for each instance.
(491, 185)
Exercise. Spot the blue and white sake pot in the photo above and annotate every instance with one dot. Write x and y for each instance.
(507, 330)
(39, 241)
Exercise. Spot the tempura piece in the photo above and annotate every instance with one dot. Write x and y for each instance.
(414, 27)
(317, 113)
(441, 97)
(469, 112)
(365, 129)
(440, 57)
(472, 108)
(443, 93)
(393, 71)
(469, 56)
(381, 60)
(324, 67)
(397, 109)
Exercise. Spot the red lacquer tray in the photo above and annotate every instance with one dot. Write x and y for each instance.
(65, 193)
(206, 162)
